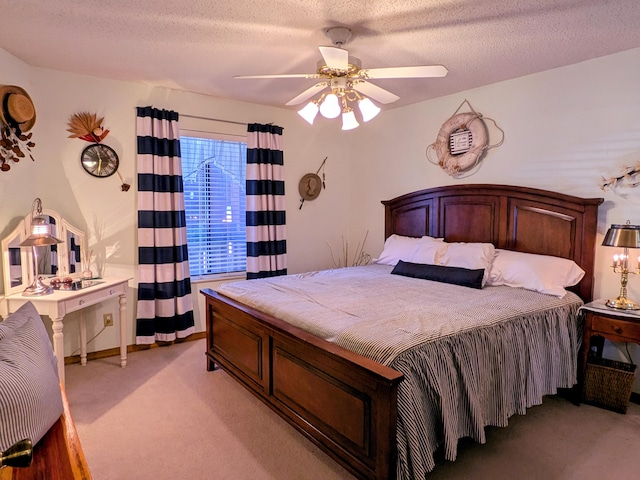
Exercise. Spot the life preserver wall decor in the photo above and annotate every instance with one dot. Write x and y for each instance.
(462, 142)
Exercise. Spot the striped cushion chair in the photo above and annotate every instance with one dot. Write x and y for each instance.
(30, 396)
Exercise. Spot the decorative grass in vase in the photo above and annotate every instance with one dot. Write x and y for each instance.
(360, 257)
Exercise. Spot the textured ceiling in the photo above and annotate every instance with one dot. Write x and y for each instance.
(199, 45)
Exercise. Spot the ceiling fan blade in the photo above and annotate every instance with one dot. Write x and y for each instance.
(375, 92)
(308, 93)
(405, 72)
(284, 75)
(334, 57)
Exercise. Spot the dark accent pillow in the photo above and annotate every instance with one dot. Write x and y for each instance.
(439, 273)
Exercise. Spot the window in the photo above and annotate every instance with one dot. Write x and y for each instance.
(214, 174)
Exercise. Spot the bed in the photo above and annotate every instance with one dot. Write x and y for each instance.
(354, 407)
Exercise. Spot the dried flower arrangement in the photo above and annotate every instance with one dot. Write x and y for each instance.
(87, 126)
(87, 257)
(360, 257)
(14, 146)
(629, 177)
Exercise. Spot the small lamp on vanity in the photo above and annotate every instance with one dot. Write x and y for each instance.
(626, 236)
(40, 236)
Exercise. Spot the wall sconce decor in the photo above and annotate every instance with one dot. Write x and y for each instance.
(626, 236)
(40, 236)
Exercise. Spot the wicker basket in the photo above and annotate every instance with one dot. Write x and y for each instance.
(608, 383)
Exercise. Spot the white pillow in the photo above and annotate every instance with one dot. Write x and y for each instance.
(429, 251)
(540, 273)
(398, 247)
(473, 256)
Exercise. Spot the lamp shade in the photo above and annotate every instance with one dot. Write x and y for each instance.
(330, 108)
(349, 121)
(40, 233)
(622, 236)
(309, 112)
(368, 109)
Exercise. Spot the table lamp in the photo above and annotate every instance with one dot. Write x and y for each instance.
(40, 236)
(626, 236)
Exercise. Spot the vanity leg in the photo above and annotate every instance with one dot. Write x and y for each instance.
(83, 339)
(58, 346)
(123, 331)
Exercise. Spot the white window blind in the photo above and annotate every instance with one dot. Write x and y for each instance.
(214, 174)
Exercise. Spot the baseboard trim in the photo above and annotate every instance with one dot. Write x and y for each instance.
(114, 352)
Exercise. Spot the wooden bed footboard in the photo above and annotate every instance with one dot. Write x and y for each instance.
(344, 403)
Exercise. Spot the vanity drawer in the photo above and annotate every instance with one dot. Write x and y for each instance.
(610, 327)
(93, 297)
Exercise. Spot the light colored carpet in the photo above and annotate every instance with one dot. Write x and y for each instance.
(165, 417)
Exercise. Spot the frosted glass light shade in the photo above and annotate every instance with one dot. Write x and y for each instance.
(309, 112)
(349, 121)
(368, 109)
(330, 108)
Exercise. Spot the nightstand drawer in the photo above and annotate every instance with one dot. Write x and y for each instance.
(613, 327)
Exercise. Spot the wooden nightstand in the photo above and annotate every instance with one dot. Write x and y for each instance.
(614, 325)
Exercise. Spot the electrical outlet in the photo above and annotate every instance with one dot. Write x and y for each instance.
(108, 319)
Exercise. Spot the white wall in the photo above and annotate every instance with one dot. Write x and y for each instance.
(58, 179)
(565, 128)
(17, 191)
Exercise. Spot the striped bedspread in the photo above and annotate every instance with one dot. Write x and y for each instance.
(470, 357)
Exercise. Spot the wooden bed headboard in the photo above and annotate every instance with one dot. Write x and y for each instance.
(511, 217)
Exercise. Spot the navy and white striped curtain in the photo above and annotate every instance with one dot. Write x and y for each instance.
(165, 307)
(266, 226)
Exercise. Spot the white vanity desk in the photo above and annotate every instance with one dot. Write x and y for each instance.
(67, 259)
(61, 302)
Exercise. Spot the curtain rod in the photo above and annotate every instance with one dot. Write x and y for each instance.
(217, 133)
(212, 119)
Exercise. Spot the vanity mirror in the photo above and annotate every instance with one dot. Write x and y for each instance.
(14, 260)
(63, 259)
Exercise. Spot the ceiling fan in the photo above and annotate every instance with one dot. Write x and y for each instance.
(347, 81)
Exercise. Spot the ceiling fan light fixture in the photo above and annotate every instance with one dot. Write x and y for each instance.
(344, 80)
(330, 107)
(368, 109)
(309, 111)
(349, 121)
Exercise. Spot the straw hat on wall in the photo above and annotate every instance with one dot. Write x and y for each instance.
(310, 186)
(17, 109)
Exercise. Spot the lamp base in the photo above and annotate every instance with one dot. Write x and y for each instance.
(37, 288)
(623, 303)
